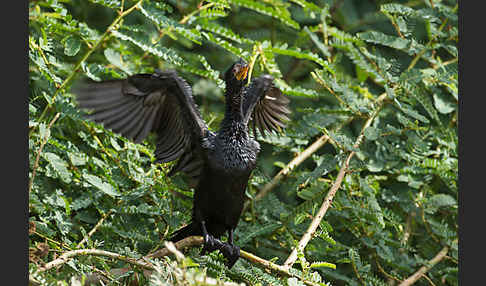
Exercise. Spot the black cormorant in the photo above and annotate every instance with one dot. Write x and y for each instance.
(218, 163)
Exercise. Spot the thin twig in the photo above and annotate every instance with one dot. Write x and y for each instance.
(322, 211)
(44, 141)
(289, 167)
(422, 52)
(389, 276)
(33, 282)
(43, 56)
(256, 52)
(417, 275)
(89, 52)
(397, 28)
(182, 22)
(428, 279)
(330, 195)
(60, 245)
(408, 228)
(426, 224)
(451, 259)
(355, 270)
(103, 148)
(199, 9)
(321, 82)
(95, 228)
(65, 257)
(321, 141)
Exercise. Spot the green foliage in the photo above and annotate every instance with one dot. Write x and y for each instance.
(340, 62)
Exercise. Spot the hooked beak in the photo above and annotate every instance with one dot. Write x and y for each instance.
(241, 71)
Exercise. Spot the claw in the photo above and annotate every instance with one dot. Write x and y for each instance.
(231, 253)
(235, 254)
(210, 244)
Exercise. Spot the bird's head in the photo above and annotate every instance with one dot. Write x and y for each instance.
(235, 76)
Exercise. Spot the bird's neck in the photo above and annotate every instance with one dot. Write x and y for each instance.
(233, 122)
(233, 110)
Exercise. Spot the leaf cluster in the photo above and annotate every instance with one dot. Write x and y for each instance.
(340, 62)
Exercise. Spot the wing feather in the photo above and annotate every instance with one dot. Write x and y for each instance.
(145, 126)
(133, 128)
(265, 107)
(124, 125)
(160, 103)
(107, 116)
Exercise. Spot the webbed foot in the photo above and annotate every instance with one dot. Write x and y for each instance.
(231, 253)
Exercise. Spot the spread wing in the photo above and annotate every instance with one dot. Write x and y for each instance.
(264, 106)
(161, 103)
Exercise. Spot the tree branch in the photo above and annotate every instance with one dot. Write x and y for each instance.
(322, 211)
(332, 192)
(192, 241)
(66, 256)
(417, 275)
(290, 166)
(146, 264)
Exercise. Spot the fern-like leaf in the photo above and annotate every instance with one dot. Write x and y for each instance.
(280, 14)
(142, 41)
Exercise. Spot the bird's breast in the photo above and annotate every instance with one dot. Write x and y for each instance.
(235, 157)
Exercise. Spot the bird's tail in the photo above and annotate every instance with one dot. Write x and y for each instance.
(188, 230)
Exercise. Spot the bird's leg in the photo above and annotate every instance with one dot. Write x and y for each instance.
(230, 236)
(230, 250)
(210, 243)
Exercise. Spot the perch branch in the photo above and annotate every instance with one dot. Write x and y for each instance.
(198, 240)
(421, 272)
(190, 241)
(145, 264)
(332, 192)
